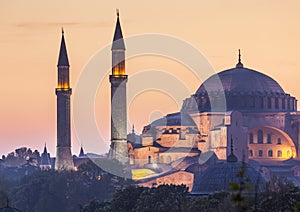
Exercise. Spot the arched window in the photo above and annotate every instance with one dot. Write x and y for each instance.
(250, 153)
(149, 159)
(251, 138)
(283, 103)
(276, 103)
(260, 137)
(269, 103)
(270, 153)
(261, 102)
(260, 153)
(269, 140)
(279, 141)
(279, 153)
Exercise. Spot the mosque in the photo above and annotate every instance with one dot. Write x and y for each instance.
(255, 111)
(236, 116)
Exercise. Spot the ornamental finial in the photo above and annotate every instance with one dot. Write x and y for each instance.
(240, 64)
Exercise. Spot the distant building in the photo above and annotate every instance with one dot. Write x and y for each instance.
(45, 163)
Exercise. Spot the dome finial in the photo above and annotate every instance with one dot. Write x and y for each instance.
(62, 31)
(133, 128)
(240, 64)
(231, 158)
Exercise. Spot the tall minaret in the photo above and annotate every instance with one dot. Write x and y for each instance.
(63, 92)
(118, 81)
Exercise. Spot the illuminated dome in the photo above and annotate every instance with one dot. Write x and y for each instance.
(240, 89)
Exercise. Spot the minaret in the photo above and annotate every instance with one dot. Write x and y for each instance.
(64, 160)
(118, 81)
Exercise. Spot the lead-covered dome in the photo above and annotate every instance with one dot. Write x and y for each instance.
(241, 79)
(241, 89)
(220, 176)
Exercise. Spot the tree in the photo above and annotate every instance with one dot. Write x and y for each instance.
(279, 195)
(162, 198)
(125, 200)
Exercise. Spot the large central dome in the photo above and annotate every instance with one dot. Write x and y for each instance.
(241, 79)
(240, 89)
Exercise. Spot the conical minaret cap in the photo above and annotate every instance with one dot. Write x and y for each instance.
(118, 42)
(63, 55)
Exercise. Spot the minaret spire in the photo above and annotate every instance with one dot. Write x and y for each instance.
(118, 42)
(239, 64)
(63, 55)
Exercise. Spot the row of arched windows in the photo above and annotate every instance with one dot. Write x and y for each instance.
(260, 138)
(270, 153)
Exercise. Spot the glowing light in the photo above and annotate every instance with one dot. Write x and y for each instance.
(141, 173)
(75, 168)
(118, 70)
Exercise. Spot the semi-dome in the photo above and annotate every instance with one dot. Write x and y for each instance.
(241, 80)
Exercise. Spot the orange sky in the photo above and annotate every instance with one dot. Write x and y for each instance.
(267, 31)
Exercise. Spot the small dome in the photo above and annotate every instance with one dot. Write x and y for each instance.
(219, 176)
(241, 80)
(174, 119)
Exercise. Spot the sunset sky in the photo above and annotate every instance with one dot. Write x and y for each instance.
(267, 32)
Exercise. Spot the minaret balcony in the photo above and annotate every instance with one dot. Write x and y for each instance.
(63, 91)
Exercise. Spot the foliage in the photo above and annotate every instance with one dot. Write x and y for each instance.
(65, 191)
(96, 206)
(279, 195)
(134, 198)
(125, 199)
(162, 198)
(239, 189)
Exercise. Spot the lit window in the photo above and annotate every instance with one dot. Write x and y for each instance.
(288, 153)
(279, 141)
(279, 153)
(250, 153)
(270, 153)
(260, 136)
(269, 140)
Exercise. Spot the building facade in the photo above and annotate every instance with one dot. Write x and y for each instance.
(239, 104)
